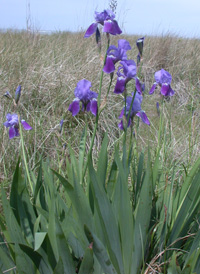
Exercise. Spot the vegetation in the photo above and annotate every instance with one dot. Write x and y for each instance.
(88, 197)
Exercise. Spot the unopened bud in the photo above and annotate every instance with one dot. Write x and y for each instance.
(158, 109)
(8, 95)
(61, 126)
(98, 39)
(17, 94)
(138, 59)
(140, 44)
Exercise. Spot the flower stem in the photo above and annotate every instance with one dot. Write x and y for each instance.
(98, 112)
(129, 113)
(24, 155)
(160, 132)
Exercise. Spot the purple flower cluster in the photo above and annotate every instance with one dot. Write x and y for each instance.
(13, 124)
(126, 71)
(86, 99)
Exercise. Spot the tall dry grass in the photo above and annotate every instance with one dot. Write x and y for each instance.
(49, 66)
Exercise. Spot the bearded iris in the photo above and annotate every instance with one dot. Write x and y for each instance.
(163, 79)
(125, 73)
(115, 54)
(13, 124)
(84, 95)
(106, 19)
(135, 110)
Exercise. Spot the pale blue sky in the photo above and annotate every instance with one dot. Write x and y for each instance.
(141, 17)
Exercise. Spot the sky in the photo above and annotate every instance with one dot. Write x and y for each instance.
(140, 17)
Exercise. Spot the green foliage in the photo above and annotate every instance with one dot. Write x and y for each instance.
(127, 218)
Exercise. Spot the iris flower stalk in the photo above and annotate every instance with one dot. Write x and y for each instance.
(132, 108)
(15, 129)
(98, 109)
(24, 157)
(13, 124)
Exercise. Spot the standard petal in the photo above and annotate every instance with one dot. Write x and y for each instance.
(111, 26)
(144, 117)
(74, 107)
(153, 88)
(129, 68)
(109, 66)
(82, 90)
(162, 76)
(136, 106)
(12, 132)
(93, 107)
(25, 125)
(92, 29)
(6, 124)
(123, 44)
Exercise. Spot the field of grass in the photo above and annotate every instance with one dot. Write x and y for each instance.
(48, 68)
(115, 210)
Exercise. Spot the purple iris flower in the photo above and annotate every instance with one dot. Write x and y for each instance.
(135, 110)
(115, 54)
(83, 94)
(125, 73)
(163, 78)
(106, 19)
(13, 124)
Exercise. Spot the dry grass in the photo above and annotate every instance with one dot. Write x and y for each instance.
(49, 66)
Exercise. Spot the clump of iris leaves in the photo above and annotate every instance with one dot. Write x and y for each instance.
(118, 215)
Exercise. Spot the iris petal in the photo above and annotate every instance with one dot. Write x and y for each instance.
(164, 89)
(138, 86)
(144, 117)
(74, 107)
(120, 85)
(111, 26)
(12, 132)
(93, 107)
(109, 66)
(26, 125)
(153, 88)
(92, 29)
